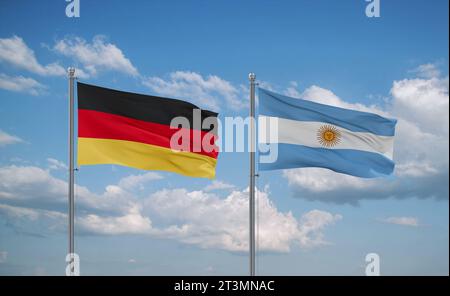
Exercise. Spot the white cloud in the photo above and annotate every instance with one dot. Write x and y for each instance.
(97, 56)
(45, 220)
(312, 225)
(137, 181)
(7, 139)
(19, 212)
(422, 109)
(15, 52)
(130, 223)
(218, 185)
(292, 90)
(321, 180)
(325, 96)
(208, 221)
(21, 84)
(427, 71)
(405, 221)
(205, 91)
(28, 182)
(54, 164)
(192, 217)
(3, 256)
(424, 102)
(415, 169)
(421, 145)
(35, 187)
(430, 151)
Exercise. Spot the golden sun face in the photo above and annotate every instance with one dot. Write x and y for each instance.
(328, 136)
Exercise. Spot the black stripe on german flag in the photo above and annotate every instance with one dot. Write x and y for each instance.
(137, 106)
(116, 127)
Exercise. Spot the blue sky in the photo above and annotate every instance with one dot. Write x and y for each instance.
(313, 222)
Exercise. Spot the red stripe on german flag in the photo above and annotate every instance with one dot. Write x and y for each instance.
(116, 127)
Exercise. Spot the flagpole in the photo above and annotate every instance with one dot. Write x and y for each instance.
(71, 72)
(252, 78)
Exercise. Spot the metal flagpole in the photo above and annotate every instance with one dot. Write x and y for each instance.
(252, 78)
(71, 72)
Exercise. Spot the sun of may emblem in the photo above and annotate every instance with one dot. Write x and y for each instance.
(328, 136)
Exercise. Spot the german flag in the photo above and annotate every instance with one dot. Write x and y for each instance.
(116, 127)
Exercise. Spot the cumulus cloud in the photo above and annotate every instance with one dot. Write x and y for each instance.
(96, 56)
(32, 221)
(7, 139)
(17, 183)
(131, 222)
(219, 185)
(427, 71)
(14, 51)
(99, 55)
(346, 190)
(324, 96)
(421, 106)
(291, 90)
(29, 213)
(35, 187)
(206, 91)
(424, 102)
(320, 180)
(312, 224)
(54, 164)
(204, 219)
(404, 221)
(198, 218)
(137, 181)
(21, 84)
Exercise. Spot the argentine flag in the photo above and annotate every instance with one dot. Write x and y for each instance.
(308, 134)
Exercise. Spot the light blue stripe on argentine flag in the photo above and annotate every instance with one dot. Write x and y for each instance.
(357, 143)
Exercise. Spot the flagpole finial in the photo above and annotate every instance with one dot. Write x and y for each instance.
(251, 76)
(71, 71)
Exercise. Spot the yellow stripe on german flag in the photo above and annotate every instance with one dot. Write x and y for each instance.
(128, 129)
(144, 156)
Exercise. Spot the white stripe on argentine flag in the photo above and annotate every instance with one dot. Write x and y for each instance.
(309, 134)
(306, 133)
